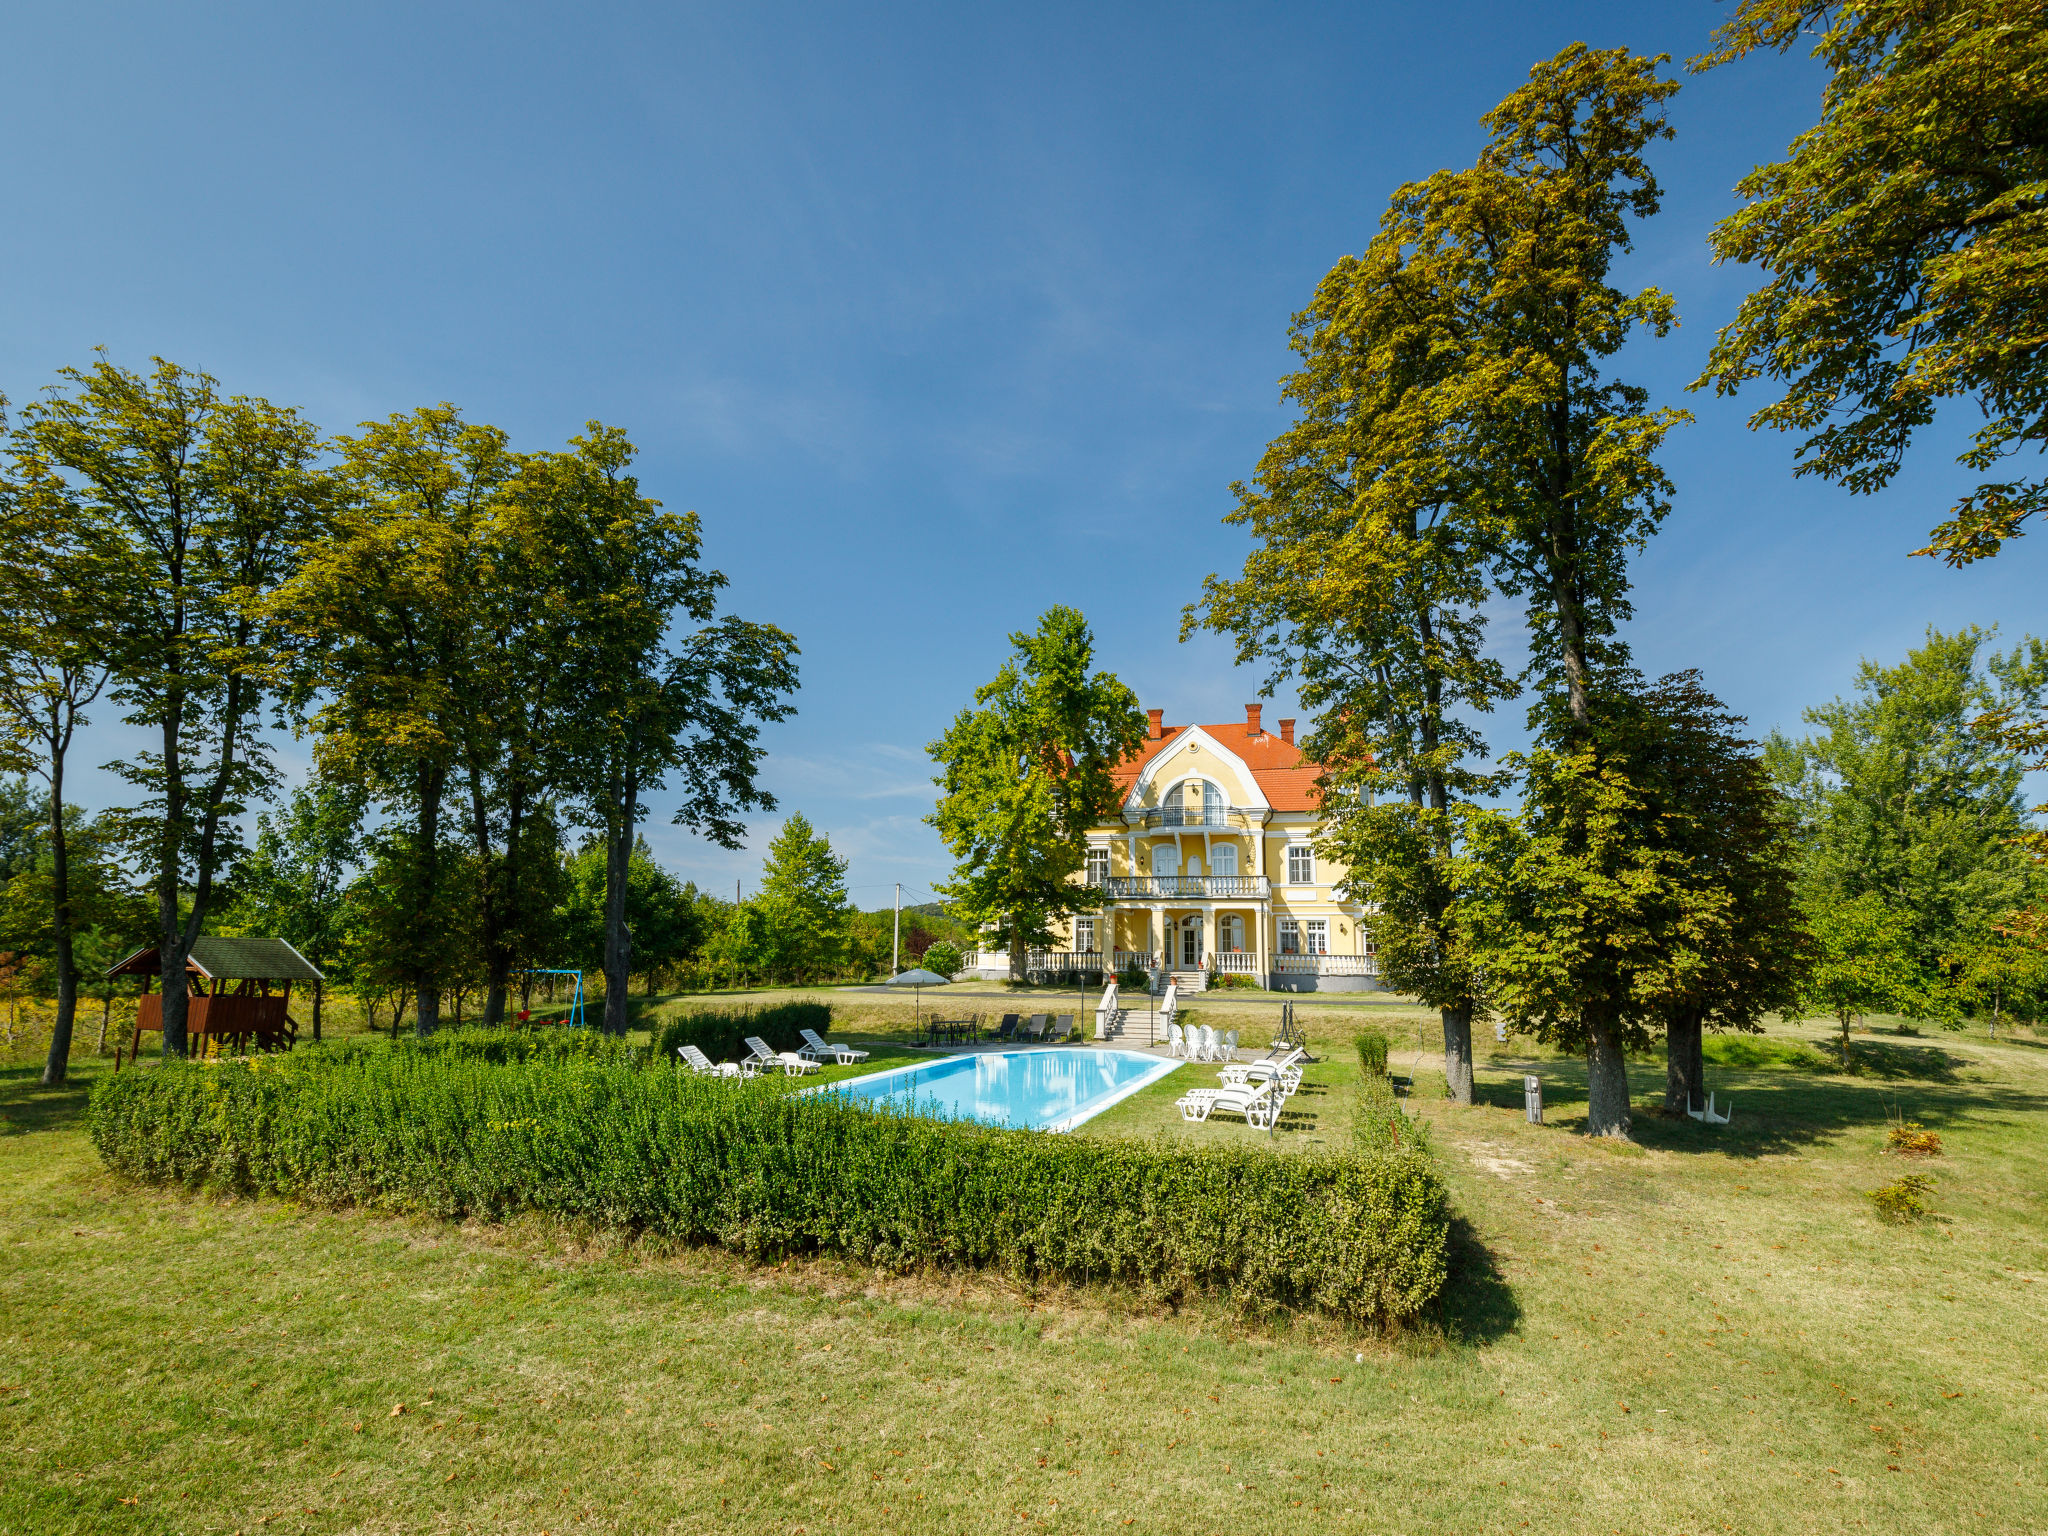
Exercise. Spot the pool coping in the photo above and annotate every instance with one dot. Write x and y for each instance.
(1158, 1067)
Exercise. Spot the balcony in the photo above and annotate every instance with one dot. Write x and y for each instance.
(1172, 887)
(1211, 818)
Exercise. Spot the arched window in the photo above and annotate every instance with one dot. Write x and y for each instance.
(1194, 803)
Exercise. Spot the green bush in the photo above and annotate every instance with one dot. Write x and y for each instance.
(559, 1046)
(1228, 981)
(721, 1033)
(768, 1172)
(1381, 1125)
(1372, 1052)
(942, 959)
(1905, 1199)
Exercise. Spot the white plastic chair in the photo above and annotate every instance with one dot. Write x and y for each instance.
(1230, 1046)
(1207, 1049)
(1176, 1043)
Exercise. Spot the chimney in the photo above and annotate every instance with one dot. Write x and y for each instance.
(1154, 716)
(1251, 718)
(1287, 732)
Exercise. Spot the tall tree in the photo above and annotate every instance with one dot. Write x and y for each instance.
(1367, 586)
(1509, 265)
(652, 705)
(1864, 962)
(1026, 774)
(385, 614)
(803, 892)
(1898, 793)
(1720, 811)
(205, 504)
(53, 667)
(1903, 238)
(292, 885)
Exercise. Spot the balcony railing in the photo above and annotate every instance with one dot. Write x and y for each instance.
(1223, 818)
(1235, 962)
(1327, 965)
(1168, 887)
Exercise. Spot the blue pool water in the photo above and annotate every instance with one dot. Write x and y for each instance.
(1043, 1090)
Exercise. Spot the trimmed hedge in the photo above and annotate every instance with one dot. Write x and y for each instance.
(768, 1173)
(721, 1033)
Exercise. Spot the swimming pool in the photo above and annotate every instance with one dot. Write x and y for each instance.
(1043, 1090)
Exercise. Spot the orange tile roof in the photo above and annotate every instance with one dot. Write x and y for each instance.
(1288, 779)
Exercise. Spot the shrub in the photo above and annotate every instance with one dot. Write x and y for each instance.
(1234, 980)
(1381, 1126)
(721, 1033)
(942, 959)
(498, 1046)
(1904, 1199)
(1134, 978)
(1910, 1139)
(768, 1172)
(1372, 1052)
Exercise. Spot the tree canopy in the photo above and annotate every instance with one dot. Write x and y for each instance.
(1903, 237)
(1025, 774)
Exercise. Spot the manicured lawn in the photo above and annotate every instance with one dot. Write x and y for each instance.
(1709, 1331)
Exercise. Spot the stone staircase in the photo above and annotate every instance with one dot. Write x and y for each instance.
(1190, 982)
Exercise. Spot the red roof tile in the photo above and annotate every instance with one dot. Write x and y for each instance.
(1287, 778)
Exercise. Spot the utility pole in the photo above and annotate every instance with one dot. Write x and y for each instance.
(896, 934)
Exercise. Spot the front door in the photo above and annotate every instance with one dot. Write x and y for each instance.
(1191, 943)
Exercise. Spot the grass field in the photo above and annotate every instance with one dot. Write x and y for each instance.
(1707, 1331)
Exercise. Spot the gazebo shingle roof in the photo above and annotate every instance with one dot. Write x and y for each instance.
(236, 958)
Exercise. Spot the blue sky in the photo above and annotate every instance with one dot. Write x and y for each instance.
(937, 314)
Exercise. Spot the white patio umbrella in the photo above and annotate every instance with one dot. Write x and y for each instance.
(917, 980)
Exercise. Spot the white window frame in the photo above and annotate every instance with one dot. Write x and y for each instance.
(1165, 852)
(1220, 854)
(1301, 864)
(1315, 936)
(1230, 934)
(1096, 870)
(1290, 936)
(1084, 935)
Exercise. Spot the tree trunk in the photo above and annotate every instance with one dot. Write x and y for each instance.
(1458, 1054)
(1685, 1067)
(492, 900)
(426, 987)
(106, 1020)
(319, 988)
(1845, 1041)
(58, 1063)
(618, 941)
(1017, 953)
(1606, 1082)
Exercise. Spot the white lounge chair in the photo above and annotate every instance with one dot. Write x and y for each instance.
(789, 1061)
(1258, 1103)
(817, 1049)
(704, 1066)
(1287, 1068)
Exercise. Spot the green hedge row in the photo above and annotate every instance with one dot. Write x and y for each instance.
(768, 1173)
(721, 1033)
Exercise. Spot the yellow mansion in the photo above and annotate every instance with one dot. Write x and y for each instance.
(1211, 867)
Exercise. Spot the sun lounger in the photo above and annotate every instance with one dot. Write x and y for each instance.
(1287, 1068)
(704, 1066)
(818, 1049)
(789, 1061)
(1035, 1027)
(1062, 1027)
(1258, 1103)
(1007, 1030)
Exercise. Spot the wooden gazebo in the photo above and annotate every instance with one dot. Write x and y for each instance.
(219, 1020)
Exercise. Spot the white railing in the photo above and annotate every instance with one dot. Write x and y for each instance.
(1235, 962)
(1169, 887)
(1327, 965)
(1144, 959)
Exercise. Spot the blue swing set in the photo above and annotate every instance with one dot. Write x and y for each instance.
(574, 1018)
